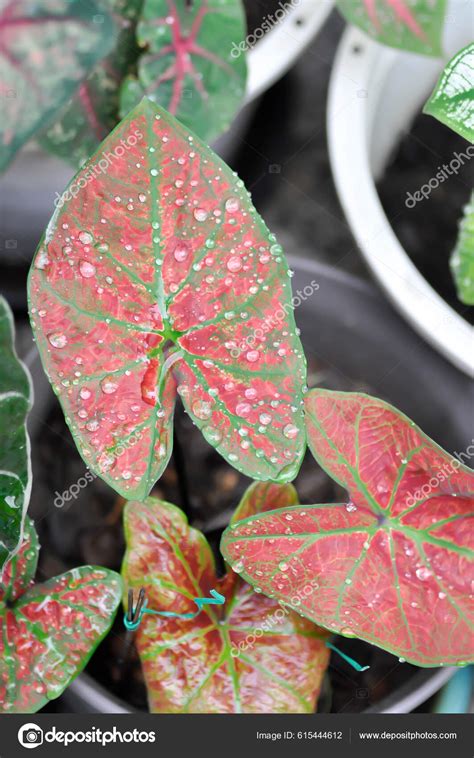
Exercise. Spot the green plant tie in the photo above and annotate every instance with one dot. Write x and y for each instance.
(347, 658)
(216, 599)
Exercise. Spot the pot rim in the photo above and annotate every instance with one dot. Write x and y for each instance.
(350, 139)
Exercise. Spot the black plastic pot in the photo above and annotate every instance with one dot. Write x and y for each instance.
(347, 326)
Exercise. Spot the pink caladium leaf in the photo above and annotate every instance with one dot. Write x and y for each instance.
(250, 655)
(159, 277)
(47, 47)
(49, 631)
(193, 64)
(394, 564)
(415, 25)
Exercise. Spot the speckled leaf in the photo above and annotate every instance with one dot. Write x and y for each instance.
(251, 655)
(452, 101)
(15, 470)
(46, 49)
(94, 110)
(160, 273)
(190, 66)
(462, 259)
(415, 25)
(393, 565)
(49, 631)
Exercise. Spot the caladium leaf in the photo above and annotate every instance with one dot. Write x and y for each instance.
(46, 49)
(15, 470)
(159, 275)
(190, 66)
(394, 563)
(452, 101)
(49, 631)
(251, 655)
(415, 25)
(94, 110)
(462, 259)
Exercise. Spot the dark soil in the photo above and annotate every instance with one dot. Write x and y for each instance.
(89, 530)
(428, 231)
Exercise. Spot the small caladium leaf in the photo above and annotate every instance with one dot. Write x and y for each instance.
(159, 276)
(46, 49)
(190, 66)
(452, 101)
(462, 259)
(15, 471)
(94, 110)
(49, 631)
(264, 496)
(250, 655)
(394, 565)
(415, 25)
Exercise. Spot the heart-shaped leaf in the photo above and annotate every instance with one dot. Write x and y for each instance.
(94, 110)
(251, 655)
(394, 564)
(462, 259)
(46, 49)
(49, 631)
(415, 25)
(160, 273)
(15, 470)
(191, 66)
(452, 101)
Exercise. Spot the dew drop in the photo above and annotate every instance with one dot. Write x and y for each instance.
(423, 573)
(200, 214)
(232, 204)
(283, 566)
(290, 431)
(181, 252)
(265, 419)
(85, 238)
(243, 409)
(238, 567)
(234, 263)
(85, 393)
(252, 356)
(108, 386)
(202, 409)
(57, 339)
(87, 269)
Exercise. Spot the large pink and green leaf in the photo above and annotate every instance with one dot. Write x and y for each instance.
(159, 277)
(452, 100)
(15, 469)
(94, 110)
(250, 655)
(46, 49)
(190, 66)
(415, 25)
(49, 631)
(393, 565)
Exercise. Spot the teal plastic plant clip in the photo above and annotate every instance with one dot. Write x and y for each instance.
(133, 617)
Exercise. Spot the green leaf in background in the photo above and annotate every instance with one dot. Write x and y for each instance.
(94, 110)
(462, 260)
(414, 25)
(15, 472)
(452, 101)
(190, 66)
(49, 631)
(46, 49)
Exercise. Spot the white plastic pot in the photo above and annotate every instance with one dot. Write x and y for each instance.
(375, 92)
